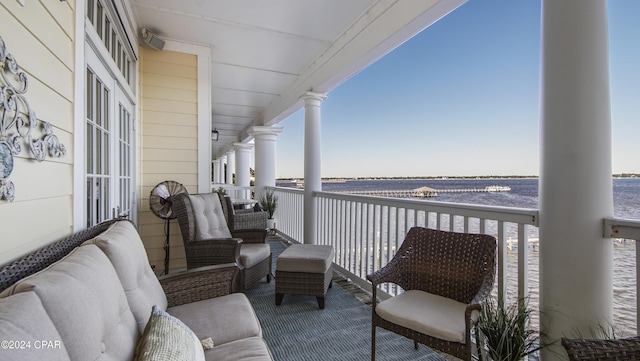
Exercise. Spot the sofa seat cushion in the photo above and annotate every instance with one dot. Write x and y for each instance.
(83, 296)
(209, 217)
(253, 253)
(224, 319)
(427, 313)
(124, 248)
(252, 348)
(24, 321)
(167, 338)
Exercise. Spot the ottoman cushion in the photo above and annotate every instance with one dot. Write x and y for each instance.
(305, 258)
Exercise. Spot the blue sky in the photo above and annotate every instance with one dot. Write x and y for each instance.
(461, 98)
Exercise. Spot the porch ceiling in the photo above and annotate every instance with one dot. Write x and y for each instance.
(266, 54)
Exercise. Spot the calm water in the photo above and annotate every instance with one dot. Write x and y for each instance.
(524, 194)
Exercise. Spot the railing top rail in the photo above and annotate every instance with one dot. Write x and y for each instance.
(231, 186)
(288, 189)
(507, 214)
(622, 228)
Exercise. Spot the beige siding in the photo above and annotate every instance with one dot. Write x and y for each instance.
(40, 37)
(168, 141)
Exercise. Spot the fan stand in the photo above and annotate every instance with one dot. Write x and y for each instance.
(160, 204)
(166, 246)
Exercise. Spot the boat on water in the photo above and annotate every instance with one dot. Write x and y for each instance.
(497, 189)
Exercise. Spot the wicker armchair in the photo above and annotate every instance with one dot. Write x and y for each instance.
(626, 349)
(208, 240)
(445, 276)
(238, 219)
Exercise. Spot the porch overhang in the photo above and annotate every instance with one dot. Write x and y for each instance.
(264, 56)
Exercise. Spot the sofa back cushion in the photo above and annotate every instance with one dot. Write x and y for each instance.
(83, 296)
(209, 217)
(29, 332)
(123, 246)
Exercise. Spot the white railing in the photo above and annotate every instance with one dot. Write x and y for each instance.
(235, 192)
(289, 213)
(627, 229)
(366, 232)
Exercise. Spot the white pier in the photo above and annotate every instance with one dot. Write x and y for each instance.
(427, 192)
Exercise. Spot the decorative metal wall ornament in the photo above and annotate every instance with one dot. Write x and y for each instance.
(15, 129)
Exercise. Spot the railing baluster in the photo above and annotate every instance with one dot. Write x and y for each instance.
(502, 263)
(388, 240)
(523, 264)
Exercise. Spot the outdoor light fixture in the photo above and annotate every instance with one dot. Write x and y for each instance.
(214, 135)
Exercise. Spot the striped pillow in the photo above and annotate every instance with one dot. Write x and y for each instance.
(167, 338)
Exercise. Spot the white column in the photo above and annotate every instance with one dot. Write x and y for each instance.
(223, 173)
(265, 157)
(243, 163)
(312, 162)
(217, 171)
(576, 292)
(231, 166)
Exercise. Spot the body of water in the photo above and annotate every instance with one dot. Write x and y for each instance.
(524, 194)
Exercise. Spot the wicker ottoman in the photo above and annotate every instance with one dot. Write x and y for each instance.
(304, 269)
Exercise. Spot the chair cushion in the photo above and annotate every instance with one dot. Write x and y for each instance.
(167, 338)
(123, 246)
(252, 348)
(427, 313)
(253, 253)
(24, 320)
(209, 217)
(83, 296)
(224, 319)
(306, 258)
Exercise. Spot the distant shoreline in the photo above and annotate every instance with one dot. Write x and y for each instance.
(620, 175)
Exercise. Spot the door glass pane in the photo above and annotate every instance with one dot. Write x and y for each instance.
(97, 150)
(124, 160)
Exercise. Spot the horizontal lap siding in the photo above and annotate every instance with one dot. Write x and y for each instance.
(40, 36)
(169, 138)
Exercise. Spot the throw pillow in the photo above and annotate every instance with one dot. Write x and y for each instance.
(167, 338)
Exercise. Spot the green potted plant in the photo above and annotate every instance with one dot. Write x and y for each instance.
(268, 201)
(505, 331)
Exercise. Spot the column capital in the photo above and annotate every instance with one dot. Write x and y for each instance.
(313, 96)
(242, 146)
(265, 130)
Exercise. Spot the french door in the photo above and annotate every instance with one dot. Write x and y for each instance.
(109, 145)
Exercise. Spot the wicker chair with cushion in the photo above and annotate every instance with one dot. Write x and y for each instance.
(238, 219)
(445, 277)
(625, 349)
(208, 240)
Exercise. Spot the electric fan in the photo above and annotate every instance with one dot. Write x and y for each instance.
(160, 203)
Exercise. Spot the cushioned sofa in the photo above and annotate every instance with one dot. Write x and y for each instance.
(90, 297)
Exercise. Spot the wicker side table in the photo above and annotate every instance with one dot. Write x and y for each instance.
(304, 269)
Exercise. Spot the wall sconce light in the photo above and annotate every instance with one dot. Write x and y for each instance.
(215, 134)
